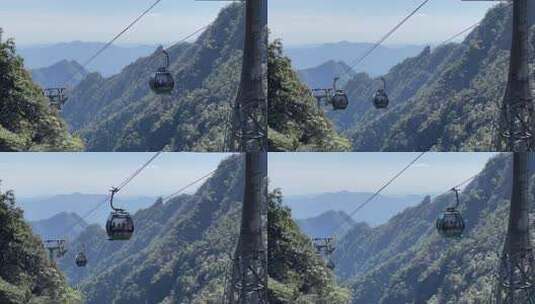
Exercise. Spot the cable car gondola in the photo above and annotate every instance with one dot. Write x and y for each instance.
(80, 259)
(339, 100)
(162, 82)
(120, 225)
(380, 98)
(57, 97)
(450, 224)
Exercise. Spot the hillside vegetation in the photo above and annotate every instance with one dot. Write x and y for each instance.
(27, 123)
(295, 122)
(297, 275)
(26, 275)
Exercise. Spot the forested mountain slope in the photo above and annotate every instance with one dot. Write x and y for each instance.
(406, 261)
(26, 275)
(296, 273)
(179, 252)
(26, 120)
(444, 99)
(121, 113)
(295, 122)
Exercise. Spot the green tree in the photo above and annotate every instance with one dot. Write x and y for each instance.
(295, 122)
(26, 120)
(296, 273)
(26, 276)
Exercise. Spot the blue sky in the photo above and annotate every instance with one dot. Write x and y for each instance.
(38, 21)
(44, 174)
(296, 21)
(315, 21)
(309, 173)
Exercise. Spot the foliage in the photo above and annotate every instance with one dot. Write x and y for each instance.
(26, 276)
(295, 123)
(26, 120)
(296, 273)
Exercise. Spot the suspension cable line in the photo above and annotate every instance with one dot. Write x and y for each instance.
(462, 183)
(388, 183)
(466, 29)
(360, 59)
(459, 34)
(138, 171)
(166, 199)
(457, 186)
(108, 197)
(107, 45)
(188, 36)
(188, 185)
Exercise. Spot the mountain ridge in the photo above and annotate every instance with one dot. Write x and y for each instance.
(378, 212)
(109, 63)
(385, 57)
(61, 74)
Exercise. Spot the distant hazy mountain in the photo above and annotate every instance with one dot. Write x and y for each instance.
(108, 63)
(378, 63)
(62, 225)
(41, 208)
(377, 212)
(61, 74)
(326, 224)
(322, 76)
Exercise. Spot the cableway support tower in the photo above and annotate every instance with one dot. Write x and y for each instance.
(515, 280)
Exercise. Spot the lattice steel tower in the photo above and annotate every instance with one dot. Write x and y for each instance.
(516, 276)
(516, 127)
(247, 283)
(249, 117)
